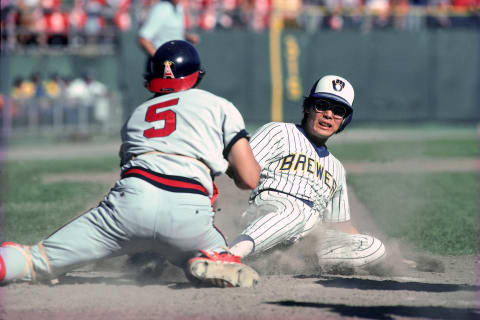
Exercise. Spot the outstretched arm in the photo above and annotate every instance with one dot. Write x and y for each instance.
(243, 168)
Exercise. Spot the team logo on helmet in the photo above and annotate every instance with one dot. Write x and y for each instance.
(338, 85)
(167, 71)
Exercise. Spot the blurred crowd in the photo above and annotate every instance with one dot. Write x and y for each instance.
(62, 22)
(56, 101)
(79, 22)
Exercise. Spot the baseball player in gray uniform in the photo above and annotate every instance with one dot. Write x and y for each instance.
(303, 186)
(173, 146)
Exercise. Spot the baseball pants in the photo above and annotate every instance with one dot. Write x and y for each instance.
(134, 216)
(275, 219)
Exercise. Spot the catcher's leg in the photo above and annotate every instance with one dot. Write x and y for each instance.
(15, 263)
(86, 239)
(69, 247)
(349, 250)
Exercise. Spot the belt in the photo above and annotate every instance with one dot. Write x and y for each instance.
(165, 181)
(307, 202)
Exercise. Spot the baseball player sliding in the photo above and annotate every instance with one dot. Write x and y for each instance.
(303, 187)
(173, 145)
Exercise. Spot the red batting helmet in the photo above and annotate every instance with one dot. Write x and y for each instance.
(174, 67)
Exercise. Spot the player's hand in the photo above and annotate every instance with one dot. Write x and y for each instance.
(192, 38)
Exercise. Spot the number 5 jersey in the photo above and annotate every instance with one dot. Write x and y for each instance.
(161, 139)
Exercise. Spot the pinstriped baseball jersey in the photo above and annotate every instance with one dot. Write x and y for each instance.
(192, 145)
(293, 165)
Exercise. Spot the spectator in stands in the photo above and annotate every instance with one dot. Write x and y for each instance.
(378, 15)
(406, 15)
(260, 14)
(291, 10)
(313, 15)
(56, 25)
(97, 99)
(335, 15)
(467, 13)
(53, 86)
(28, 23)
(7, 23)
(37, 83)
(55, 90)
(95, 23)
(77, 21)
(29, 98)
(207, 17)
(121, 18)
(20, 94)
(21, 90)
(76, 100)
(39, 108)
(438, 14)
(229, 14)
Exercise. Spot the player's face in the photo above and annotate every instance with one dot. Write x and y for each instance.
(323, 120)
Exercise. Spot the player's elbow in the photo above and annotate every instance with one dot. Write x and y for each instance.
(243, 167)
(245, 185)
(255, 177)
(249, 179)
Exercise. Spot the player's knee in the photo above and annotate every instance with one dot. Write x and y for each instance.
(14, 263)
(255, 212)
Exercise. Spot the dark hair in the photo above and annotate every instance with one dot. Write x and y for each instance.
(307, 103)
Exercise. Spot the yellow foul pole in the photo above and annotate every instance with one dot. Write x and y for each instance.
(276, 26)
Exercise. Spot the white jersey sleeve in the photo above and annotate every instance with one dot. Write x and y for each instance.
(188, 134)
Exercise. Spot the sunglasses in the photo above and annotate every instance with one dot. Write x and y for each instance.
(339, 111)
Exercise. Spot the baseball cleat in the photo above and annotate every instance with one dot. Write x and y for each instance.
(222, 270)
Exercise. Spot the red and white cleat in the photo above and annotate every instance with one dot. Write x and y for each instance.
(223, 270)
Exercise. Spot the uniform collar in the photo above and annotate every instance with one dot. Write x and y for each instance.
(322, 151)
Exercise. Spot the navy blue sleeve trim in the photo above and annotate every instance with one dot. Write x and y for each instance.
(240, 135)
(243, 237)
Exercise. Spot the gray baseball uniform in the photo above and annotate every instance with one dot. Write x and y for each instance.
(173, 146)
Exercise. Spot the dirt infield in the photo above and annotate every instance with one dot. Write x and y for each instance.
(411, 285)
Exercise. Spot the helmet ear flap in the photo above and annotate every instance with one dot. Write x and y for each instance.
(345, 122)
(201, 73)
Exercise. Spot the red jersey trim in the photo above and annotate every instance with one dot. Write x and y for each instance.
(166, 182)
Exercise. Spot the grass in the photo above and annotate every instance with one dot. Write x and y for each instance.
(34, 209)
(437, 212)
(383, 151)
